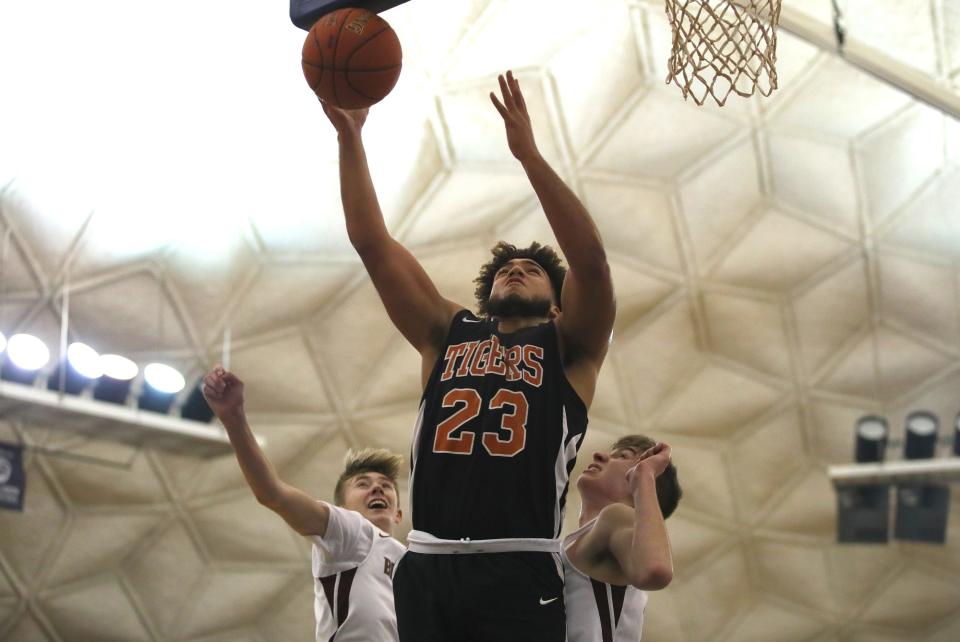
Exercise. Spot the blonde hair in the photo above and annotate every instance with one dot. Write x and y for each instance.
(367, 460)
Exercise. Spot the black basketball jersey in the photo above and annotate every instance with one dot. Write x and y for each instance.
(497, 435)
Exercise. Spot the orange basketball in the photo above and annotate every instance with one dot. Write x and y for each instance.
(351, 58)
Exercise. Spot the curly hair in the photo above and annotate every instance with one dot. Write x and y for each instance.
(367, 460)
(503, 252)
(668, 487)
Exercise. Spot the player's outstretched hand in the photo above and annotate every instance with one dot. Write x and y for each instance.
(655, 460)
(345, 121)
(516, 119)
(223, 390)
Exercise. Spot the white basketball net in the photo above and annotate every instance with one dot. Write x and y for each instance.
(723, 46)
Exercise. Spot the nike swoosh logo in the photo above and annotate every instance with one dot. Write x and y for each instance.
(543, 601)
(472, 321)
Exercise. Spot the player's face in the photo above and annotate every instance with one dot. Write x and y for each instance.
(374, 496)
(607, 474)
(521, 284)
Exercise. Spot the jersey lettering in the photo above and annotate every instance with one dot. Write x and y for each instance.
(479, 358)
(514, 423)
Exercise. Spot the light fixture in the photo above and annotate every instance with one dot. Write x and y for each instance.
(956, 436)
(921, 508)
(921, 435)
(83, 367)
(863, 511)
(196, 407)
(118, 373)
(25, 356)
(3, 342)
(872, 432)
(161, 385)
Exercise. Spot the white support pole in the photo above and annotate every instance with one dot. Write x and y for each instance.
(872, 61)
(896, 472)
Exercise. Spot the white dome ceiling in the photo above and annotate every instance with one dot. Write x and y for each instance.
(782, 266)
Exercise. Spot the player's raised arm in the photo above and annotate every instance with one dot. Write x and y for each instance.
(412, 301)
(224, 392)
(640, 545)
(587, 303)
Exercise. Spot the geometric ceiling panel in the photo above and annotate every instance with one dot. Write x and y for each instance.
(28, 629)
(656, 351)
(290, 384)
(728, 585)
(608, 42)
(244, 531)
(638, 292)
(608, 403)
(777, 252)
(290, 617)
(166, 595)
(380, 386)
(634, 221)
(674, 136)
(467, 203)
(829, 312)
(820, 106)
(718, 197)
(715, 403)
(919, 296)
(898, 29)
(88, 484)
(30, 536)
(666, 615)
(282, 291)
(833, 431)
(749, 331)
(929, 223)
(896, 159)
(914, 599)
(141, 315)
(796, 573)
(856, 571)
(884, 365)
(86, 552)
(117, 619)
(702, 478)
(766, 621)
(776, 455)
(226, 599)
(798, 162)
(809, 508)
(691, 540)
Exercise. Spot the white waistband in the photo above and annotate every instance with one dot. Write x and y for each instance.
(421, 542)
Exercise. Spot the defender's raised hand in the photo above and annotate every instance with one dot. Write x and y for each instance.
(345, 121)
(655, 460)
(224, 392)
(516, 119)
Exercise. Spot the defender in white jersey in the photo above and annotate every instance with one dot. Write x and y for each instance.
(354, 554)
(621, 548)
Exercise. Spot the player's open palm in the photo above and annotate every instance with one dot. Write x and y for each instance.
(655, 460)
(346, 121)
(223, 390)
(516, 118)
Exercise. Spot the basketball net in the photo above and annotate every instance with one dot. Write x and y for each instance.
(723, 46)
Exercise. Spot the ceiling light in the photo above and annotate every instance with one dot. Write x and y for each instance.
(83, 367)
(196, 407)
(161, 385)
(921, 435)
(118, 374)
(3, 342)
(25, 355)
(871, 444)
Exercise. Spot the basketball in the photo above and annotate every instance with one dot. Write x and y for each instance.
(351, 58)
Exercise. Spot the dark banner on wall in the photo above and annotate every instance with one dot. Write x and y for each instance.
(12, 480)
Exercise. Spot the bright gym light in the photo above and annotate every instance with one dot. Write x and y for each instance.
(118, 373)
(85, 360)
(117, 367)
(27, 352)
(3, 342)
(872, 434)
(163, 378)
(921, 435)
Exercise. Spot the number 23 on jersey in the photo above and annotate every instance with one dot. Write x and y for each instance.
(469, 404)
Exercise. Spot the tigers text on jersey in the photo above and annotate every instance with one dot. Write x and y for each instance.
(597, 611)
(497, 435)
(353, 580)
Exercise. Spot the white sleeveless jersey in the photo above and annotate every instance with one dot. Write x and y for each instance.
(596, 611)
(353, 580)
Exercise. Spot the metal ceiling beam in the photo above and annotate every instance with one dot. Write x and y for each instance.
(872, 61)
(896, 472)
(51, 410)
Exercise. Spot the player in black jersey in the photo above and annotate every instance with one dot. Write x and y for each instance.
(504, 406)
